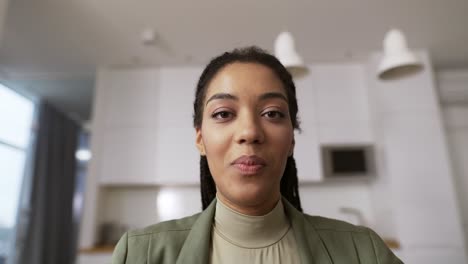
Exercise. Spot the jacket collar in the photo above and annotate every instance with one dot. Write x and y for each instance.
(309, 244)
(196, 248)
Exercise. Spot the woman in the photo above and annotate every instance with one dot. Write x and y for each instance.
(245, 113)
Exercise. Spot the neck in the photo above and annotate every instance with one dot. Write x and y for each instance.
(250, 209)
(250, 231)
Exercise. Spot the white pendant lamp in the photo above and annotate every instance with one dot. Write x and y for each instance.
(286, 53)
(398, 60)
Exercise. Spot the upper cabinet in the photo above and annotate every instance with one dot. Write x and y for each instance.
(342, 104)
(125, 126)
(306, 149)
(333, 109)
(131, 97)
(177, 155)
(416, 169)
(143, 132)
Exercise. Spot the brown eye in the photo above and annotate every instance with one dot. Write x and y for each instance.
(273, 114)
(222, 115)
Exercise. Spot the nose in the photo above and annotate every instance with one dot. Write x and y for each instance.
(249, 130)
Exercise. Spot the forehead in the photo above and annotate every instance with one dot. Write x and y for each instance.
(245, 79)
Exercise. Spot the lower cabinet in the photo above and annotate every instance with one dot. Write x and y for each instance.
(94, 258)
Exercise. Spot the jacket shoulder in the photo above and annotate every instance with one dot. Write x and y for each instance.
(329, 224)
(182, 224)
(338, 235)
(164, 239)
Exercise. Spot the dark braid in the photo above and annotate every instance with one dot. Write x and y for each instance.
(208, 187)
(289, 182)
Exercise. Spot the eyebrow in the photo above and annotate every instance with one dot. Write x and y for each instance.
(222, 96)
(265, 96)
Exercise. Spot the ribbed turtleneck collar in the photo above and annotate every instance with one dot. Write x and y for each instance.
(251, 231)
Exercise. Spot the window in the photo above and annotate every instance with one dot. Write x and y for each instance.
(16, 119)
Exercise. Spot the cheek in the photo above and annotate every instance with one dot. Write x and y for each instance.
(283, 137)
(216, 150)
(215, 142)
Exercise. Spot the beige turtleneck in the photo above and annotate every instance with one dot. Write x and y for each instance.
(239, 238)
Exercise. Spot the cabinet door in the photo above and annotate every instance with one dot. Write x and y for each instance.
(126, 129)
(306, 149)
(307, 156)
(342, 104)
(129, 156)
(98, 258)
(178, 158)
(418, 161)
(131, 98)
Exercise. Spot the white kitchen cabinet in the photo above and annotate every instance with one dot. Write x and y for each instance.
(438, 229)
(432, 255)
(419, 189)
(341, 94)
(178, 157)
(457, 133)
(345, 132)
(415, 145)
(412, 93)
(131, 97)
(333, 109)
(342, 104)
(125, 126)
(129, 156)
(306, 150)
(94, 258)
(123, 140)
(307, 156)
(145, 128)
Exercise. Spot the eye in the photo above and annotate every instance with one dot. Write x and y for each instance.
(222, 115)
(274, 114)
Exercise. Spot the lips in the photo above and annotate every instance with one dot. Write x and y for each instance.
(249, 165)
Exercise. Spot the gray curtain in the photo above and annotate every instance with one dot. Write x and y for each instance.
(45, 234)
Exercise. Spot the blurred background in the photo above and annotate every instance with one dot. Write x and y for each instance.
(96, 131)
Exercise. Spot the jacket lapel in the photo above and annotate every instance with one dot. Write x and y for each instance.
(196, 248)
(309, 245)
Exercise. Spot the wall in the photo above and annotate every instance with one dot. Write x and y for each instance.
(453, 86)
(419, 193)
(333, 109)
(456, 122)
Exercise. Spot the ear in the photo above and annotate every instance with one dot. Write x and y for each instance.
(199, 142)
(291, 149)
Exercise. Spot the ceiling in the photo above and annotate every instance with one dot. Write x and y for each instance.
(61, 40)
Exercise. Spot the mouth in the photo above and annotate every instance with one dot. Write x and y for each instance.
(249, 165)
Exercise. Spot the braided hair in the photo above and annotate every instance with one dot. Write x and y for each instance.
(289, 181)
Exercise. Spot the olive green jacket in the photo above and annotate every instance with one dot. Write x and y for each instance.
(187, 241)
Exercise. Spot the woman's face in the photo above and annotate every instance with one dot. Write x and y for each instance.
(246, 135)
